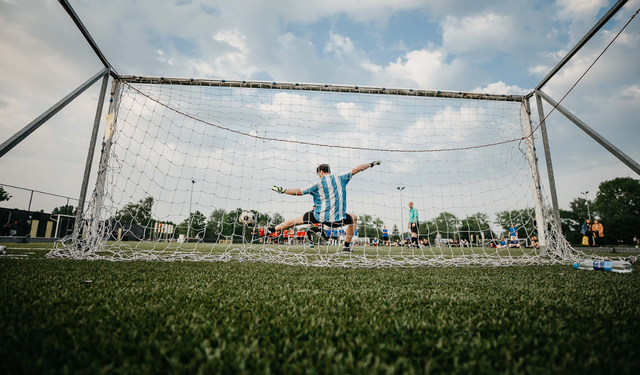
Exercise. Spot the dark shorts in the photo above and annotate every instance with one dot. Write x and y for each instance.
(310, 218)
(414, 229)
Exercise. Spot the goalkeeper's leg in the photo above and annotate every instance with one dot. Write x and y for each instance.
(351, 228)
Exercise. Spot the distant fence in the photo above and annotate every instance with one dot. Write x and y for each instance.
(21, 223)
(24, 198)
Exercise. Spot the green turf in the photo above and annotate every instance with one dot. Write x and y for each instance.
(143, 317)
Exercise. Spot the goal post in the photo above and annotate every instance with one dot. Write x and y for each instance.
(192, 154)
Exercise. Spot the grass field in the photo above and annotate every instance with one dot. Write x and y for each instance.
(149, 317)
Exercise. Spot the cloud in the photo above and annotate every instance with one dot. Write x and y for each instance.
(338, 45)
(494, 46)
(489, 32)
(502, 88)
(580, 9)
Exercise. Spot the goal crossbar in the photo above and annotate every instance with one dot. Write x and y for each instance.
(319, 87)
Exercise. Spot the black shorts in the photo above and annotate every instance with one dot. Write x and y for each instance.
(310, 218)
(414, 229)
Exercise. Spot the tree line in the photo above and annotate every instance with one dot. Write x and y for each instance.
(616, 205)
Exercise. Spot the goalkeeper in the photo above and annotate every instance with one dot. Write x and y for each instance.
(329, 194)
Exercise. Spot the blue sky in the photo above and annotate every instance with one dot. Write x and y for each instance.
(501, 46)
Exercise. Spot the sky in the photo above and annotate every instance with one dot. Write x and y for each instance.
(501, 47)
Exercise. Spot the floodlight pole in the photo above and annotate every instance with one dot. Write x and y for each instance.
(586, 201)
(401, 214)
(190, 215)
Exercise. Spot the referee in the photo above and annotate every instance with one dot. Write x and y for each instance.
(414, 223)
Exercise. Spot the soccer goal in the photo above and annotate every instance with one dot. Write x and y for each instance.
(183, 158)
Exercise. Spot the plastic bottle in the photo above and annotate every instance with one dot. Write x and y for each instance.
(621, 266)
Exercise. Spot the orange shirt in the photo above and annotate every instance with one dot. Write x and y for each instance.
(598, 228)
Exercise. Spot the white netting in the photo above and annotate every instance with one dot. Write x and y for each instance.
(181, 161)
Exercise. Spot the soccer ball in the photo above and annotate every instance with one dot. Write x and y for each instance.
(247, 218)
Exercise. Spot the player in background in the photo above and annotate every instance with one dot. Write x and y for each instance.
(343, 235)
(385, 236)
(329, 194)
(513, 232)
(414, 223)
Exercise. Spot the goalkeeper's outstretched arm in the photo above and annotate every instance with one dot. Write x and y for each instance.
(281, 190)
(363, 167)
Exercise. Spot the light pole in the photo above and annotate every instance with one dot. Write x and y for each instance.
(586, 200)
(193, 182)
(401, 215)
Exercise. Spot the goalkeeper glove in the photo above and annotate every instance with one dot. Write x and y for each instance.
(374, 163)
(278, 189)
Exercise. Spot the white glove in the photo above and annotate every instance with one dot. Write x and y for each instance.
(278, 189)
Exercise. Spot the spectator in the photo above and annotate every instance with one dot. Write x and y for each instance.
(438, 239)
(375, 242)
(254, 234)
(261, 232)
(513, 232)
(586, 231)
(385, 235)
(534, 241)
(502, 244)
(598, 232)
(514, 244)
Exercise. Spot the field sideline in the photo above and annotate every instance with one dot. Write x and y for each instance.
(150, 317)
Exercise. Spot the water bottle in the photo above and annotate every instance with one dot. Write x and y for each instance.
(621, 266)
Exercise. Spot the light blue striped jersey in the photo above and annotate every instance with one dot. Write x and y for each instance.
(329, 196)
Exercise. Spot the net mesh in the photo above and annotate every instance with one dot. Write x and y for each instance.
(180, 162)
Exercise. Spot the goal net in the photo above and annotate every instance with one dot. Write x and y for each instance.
(182, 159)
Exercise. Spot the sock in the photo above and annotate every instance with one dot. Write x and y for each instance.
(347, 244)
(272, 229)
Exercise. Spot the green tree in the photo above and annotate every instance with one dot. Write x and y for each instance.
(378, 224)
(366, 227)
(230, 225)
(65, 210)
(617, 204)
(277, 219)
(4, 196)
(215, 223)
(263, 219)
(395, 233)
(446, 223)
(476, 225)
(136, 213)
(194, 225)
(523, 220)
(571, 225)
(579, 208)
